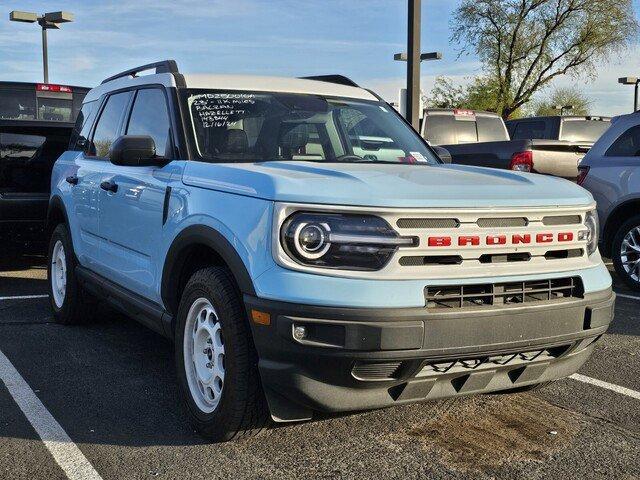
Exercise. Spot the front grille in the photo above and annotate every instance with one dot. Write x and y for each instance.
(419, 261)
(562, 220)
(428, 223)
(512, 293)
(502, 222)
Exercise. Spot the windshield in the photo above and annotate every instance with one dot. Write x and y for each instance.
(256, 127)
(583, 130)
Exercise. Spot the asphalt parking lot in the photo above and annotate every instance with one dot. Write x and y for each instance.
(105, 405)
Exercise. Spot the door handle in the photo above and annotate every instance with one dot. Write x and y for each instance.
(109, 186)
(72, 180)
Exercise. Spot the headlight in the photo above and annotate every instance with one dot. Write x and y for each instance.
(591, 234)
(340, 241)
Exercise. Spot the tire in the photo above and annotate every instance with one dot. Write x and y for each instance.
(70, 305)
(629, 273)
(220, 384)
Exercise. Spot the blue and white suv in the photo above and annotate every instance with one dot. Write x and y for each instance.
(308, 251)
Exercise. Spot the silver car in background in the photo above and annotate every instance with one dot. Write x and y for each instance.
(611, 172)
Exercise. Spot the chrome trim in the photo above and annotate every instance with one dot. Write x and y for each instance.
(370, 239)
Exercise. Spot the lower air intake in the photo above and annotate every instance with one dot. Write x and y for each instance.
(512, 293)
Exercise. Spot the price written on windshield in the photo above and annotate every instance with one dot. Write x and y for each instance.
(218, 110)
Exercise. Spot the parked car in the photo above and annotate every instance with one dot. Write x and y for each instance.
(308, 252)
(36, 122)
(481, 139)
(584, 130)
(611, 172)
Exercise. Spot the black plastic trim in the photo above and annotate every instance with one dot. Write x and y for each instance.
(164, 66)
(207, 236)
(337, 79)
(55, 203)
(133, 305)
(165, 205)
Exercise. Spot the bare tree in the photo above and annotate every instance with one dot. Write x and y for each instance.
(563, 97)
(525, 44)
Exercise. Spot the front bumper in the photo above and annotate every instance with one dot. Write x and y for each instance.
(359, 358)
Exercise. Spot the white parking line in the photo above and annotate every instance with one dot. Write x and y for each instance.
(609, 386)
(23, 297)
(627, 296)
(66, 453)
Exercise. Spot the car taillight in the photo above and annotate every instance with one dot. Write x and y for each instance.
(48, 87)
(582, 175)
(522, 161)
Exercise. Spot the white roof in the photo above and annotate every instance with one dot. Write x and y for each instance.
(275, 84)
(238, 82)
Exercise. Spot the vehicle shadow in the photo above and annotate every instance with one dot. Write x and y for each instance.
(111, 381)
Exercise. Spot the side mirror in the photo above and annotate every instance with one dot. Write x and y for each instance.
(443, 153)
(134, 151)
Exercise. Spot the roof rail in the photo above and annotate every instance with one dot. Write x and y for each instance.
(164, 66)
(339, 79)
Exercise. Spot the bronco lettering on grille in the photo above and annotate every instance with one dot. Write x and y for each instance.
(490, 240)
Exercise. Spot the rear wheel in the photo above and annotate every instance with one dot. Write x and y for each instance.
(216, 361)
(626, 252)
(69, 303)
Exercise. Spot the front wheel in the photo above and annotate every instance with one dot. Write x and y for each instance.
(216, 361)
(626, 252)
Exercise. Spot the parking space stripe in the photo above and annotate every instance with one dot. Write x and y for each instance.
(23, 297)
(66, 453)
(609, 386)
(622, 295)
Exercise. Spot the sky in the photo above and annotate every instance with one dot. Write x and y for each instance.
(356, 38)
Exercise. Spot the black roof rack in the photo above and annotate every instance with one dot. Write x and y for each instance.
(339, 79)
(165, 66)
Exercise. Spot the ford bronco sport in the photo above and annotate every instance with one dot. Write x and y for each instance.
(308, 252)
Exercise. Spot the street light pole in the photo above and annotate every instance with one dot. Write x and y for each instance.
(413, 63)
(46, 21)
(45, 55)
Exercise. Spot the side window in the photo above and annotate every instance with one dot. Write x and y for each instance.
(22, 166)
(108, 125)
(627, 144)
(81, 130)
(529, 130)
(149, 116)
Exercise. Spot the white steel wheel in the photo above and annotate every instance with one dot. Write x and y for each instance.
(58, 274)
(204, 355)
(630, 254)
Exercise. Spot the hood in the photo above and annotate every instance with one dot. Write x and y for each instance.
(386, 185)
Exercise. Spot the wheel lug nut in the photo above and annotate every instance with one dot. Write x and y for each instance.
(209, 365)
(209, 341)
(205, 351)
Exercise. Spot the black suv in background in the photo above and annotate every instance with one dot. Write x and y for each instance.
(36, 123)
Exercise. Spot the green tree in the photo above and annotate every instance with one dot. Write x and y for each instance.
(525, 44)
(563, 97)
(478, 93)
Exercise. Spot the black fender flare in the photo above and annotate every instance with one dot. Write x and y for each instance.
(55, 203)
(209, 237)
